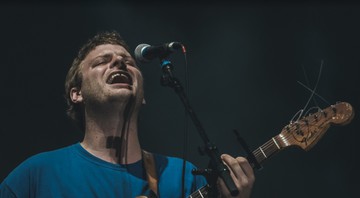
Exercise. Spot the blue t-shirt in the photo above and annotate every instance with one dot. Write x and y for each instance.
(73, 172)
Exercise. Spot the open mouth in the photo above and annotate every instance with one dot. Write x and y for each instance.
(119, 77)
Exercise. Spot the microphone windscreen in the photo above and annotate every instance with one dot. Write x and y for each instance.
(138, 53)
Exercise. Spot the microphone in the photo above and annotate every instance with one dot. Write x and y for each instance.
(145, 52)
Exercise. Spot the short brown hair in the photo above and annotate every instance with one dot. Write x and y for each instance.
(74, 78)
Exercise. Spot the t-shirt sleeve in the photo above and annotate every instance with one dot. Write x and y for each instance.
(18, 182)
(5, 191)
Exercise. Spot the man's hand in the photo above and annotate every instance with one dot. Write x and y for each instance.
(242, 174)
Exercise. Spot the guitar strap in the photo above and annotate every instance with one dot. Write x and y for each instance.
(151, 176)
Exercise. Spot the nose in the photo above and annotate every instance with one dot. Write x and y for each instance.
(119, 62)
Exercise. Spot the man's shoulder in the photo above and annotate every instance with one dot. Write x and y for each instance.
(45, 158)
(36, 165)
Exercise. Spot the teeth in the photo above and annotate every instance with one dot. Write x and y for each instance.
(112, 77)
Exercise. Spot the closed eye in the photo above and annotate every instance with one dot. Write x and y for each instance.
(131, 63)
(101, 61)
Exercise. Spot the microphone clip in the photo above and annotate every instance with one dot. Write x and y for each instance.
(167, 79)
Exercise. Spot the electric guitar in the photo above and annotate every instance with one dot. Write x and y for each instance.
(303, 133)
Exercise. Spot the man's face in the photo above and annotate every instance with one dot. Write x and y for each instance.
(110, 74)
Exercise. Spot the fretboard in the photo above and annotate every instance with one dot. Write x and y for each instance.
(267, 150)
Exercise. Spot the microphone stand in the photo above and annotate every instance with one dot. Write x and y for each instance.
(218, 167)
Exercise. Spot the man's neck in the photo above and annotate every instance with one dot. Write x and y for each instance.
(112, 137)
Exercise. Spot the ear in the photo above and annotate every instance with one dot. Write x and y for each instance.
(75, 95)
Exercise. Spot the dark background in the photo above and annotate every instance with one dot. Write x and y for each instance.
(244, 63)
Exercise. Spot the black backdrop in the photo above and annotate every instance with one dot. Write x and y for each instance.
(244, 62)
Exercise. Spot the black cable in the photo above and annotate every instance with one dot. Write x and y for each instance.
(186, 126)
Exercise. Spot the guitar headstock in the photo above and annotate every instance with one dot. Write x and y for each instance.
(307, 131)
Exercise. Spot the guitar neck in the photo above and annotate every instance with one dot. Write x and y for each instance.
(268, 149)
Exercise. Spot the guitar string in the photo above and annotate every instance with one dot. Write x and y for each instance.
(201, 192)
(264, 148)
(314, 90)
(267, 148)
(267, 153)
